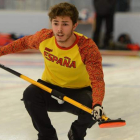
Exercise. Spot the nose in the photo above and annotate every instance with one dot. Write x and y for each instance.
(60, 28)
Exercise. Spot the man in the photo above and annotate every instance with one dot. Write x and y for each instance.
(104, 10)
(72, 66)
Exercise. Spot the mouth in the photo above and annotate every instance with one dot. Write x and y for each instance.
(60, 35)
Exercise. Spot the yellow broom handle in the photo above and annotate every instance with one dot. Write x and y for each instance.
(65, 98)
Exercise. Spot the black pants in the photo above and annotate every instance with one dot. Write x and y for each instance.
(109, 26)
(38, 103)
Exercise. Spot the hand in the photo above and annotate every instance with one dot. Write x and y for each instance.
(97, 112)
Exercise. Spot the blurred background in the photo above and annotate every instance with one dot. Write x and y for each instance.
(43, 5)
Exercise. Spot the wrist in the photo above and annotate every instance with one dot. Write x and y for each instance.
(97, 105)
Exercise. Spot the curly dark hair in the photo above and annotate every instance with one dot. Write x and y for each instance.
(64, 9)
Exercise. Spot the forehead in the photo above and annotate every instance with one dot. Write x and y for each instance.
(62, 19)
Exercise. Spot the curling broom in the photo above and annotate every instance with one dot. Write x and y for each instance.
(104, 122)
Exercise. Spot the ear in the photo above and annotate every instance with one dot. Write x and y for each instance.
(75, 25)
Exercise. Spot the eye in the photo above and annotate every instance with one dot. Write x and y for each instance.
(65, 24)
(55, 23)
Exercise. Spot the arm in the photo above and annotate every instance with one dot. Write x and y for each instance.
(27, 42)
(93, 61)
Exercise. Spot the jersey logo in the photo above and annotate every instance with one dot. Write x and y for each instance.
(47, 49)
(66, 61)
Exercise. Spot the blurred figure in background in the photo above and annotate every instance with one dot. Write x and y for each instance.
(104, 10)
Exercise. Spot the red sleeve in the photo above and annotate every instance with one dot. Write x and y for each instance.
(27, 42)
(91, 57)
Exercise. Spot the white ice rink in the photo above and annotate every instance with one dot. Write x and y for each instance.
(122, 99)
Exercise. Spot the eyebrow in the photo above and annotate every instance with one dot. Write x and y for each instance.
(58, 21)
